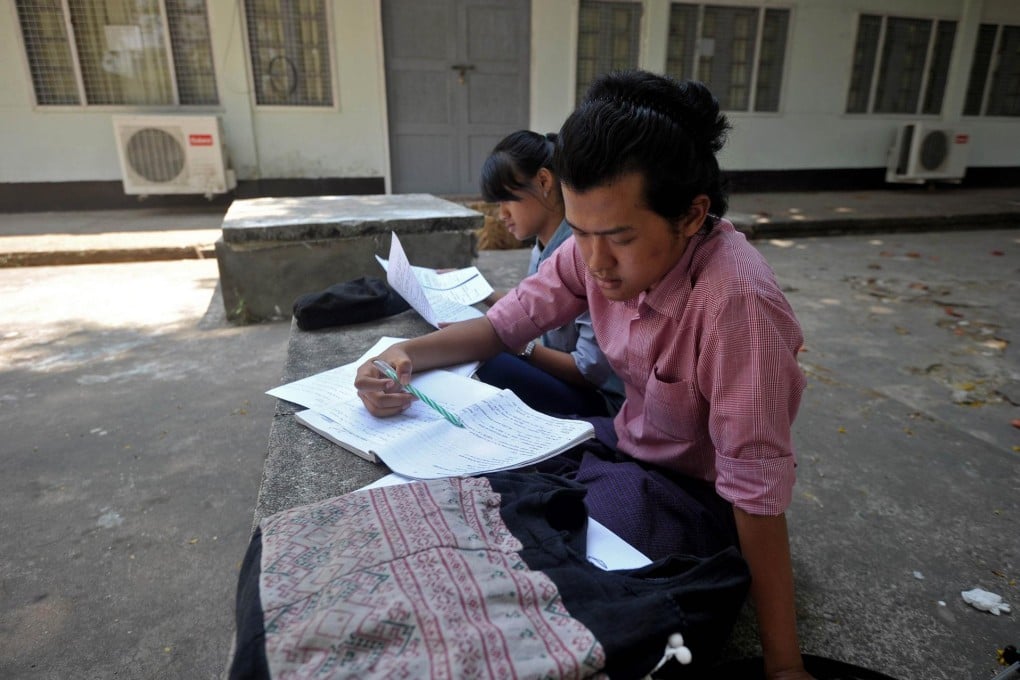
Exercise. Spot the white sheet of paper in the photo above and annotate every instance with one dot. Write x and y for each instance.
(466, 369)
(434, 306)
(332, 393)
(466, 286)
(606, 550)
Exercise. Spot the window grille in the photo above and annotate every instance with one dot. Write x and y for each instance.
(771, 59)
(1004, 92)
(994, 87)
(290, 54)
(49, 52)
(739, 52)
(900, 65)
(118, 52)
(979, 69)
(608, 38)
(192, 52)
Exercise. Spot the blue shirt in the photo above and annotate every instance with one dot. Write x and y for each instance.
(578, 338)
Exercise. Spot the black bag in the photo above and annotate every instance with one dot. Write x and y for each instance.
(363, 299)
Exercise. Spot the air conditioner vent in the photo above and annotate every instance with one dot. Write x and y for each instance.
(172, 155)
(934, 149)
(922, 152)
(155, 155)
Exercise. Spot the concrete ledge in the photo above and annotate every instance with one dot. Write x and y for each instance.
(301, 466)
(103, 248)
(274, 250)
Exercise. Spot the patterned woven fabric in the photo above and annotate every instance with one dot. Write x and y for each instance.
(421, 580)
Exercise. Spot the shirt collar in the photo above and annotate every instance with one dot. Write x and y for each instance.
(561, 234)
(669, 297)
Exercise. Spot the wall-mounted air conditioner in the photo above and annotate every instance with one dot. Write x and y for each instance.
(923, 152)
(172, 155)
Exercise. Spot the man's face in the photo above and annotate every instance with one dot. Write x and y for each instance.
(627, 247)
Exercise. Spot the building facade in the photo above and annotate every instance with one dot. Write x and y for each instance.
(373, 96)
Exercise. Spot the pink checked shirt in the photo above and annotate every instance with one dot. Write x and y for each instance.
(708, 357)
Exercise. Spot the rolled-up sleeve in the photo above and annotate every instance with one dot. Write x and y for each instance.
(749, 374)
(547, 299)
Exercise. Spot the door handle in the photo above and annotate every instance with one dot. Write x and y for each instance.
(462, 70)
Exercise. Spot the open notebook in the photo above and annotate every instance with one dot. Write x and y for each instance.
(500, 431)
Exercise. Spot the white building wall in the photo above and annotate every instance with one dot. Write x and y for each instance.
(60, 144)
(349, 140)
(811, 130)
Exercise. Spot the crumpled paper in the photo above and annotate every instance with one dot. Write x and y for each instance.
(985, 601)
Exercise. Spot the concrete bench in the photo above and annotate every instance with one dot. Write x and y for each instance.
(301, 466)
(275, 249)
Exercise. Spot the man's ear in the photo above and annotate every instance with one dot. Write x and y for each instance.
(696, 214)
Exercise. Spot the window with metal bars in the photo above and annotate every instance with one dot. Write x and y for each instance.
(288, 42)
(994, 86)
(118, 52)
(900, 65)
(739, 52)
(608, 38)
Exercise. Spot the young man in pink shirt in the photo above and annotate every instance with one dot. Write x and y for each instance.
(691, 319)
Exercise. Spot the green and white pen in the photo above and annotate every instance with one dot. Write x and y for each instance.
(391, 373)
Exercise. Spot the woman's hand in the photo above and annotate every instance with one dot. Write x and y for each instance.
(381, 395)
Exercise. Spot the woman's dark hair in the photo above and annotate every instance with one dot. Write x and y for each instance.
(514, 162)
(667, 130)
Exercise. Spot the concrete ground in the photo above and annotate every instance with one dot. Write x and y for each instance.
(908, 485)
(134, 430)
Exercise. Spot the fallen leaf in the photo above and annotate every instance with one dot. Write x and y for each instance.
(952, 312)
(998, 253)
(842, 430)
(912, 254)
(1015, 423)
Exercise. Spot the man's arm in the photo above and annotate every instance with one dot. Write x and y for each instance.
(457, 343)
(765, 545)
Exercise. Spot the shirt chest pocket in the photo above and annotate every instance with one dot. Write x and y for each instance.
(676, 409)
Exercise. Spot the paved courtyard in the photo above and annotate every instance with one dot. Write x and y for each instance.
(134, 429)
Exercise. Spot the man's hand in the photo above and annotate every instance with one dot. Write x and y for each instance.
(381, 395)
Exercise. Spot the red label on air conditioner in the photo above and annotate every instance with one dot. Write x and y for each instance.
(200, 140)
(961, 139)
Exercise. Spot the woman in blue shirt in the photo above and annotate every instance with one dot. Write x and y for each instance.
(566, 373)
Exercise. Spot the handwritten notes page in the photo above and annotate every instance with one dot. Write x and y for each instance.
(437, 297)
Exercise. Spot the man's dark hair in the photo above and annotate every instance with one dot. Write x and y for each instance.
(635, 121)
(514, 162)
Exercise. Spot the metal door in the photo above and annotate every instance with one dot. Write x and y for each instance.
(456, 83)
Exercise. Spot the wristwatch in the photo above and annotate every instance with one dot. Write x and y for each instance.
(526, 353)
